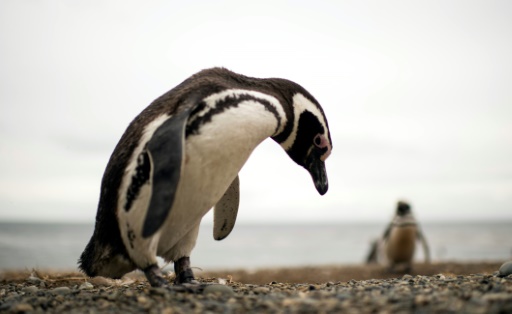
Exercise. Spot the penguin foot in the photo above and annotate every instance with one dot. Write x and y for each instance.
(184, 274)
(155, 277)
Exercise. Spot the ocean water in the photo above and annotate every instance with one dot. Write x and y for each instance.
(30, 245)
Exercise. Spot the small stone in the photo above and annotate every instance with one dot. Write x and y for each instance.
(59, 298)
(61, 290)
(343, 296)
(101, 281)
(218, 289)
(86, 286)
(103, 304)
(158, 291)
(168, 310)
(113, 296)
(30, 289)
(493, 297)
(261, 290)
(5, 306)
(505, 269)
(328, 305)
(2, 292)
(289, 302)
(33, 279)
(22, 308)
(421, 299)
(142, 300)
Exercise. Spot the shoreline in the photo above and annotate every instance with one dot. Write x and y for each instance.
(292, 274)
(471, 287)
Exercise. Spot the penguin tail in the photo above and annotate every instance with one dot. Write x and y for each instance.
(100, 259)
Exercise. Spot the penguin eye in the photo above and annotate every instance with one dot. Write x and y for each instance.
(321, 142)
(318, 141)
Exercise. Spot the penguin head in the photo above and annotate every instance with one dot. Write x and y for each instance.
(308, 142)
(403, 208)
(305, 134)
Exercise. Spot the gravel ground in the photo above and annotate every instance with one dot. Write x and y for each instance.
(50, 292)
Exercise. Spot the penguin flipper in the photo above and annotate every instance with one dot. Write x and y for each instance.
(225, 211)
(165, 150)
(385, 236)
(426, 249)
(372, 256)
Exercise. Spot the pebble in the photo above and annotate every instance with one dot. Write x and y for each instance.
(505, 269)
(30, 289)
(113, 296)
(158, 291)
(61, 290)
(5, 306)
(440, 276)
(421, 299)
(101, 281)
(22, 308)
(261, 290)
(497, 297)
(218, 289)
(86, 286)
(33, 279)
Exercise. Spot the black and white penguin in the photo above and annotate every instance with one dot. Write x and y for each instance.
(398, 244)
(181, 156)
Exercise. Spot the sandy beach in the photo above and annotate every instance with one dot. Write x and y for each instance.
(452, 287)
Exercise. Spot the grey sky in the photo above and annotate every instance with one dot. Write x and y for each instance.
(418, 96)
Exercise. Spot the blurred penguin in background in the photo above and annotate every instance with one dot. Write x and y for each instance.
(397, 246)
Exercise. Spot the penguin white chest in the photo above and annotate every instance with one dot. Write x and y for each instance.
(401, 244)
(213, 158)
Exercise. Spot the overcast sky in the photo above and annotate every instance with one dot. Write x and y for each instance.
(418, 95)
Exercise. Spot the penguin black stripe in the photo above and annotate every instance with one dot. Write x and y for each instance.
(199, 117)
(140, 177)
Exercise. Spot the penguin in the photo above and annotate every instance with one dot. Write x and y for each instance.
(180, 157)
(398, 242)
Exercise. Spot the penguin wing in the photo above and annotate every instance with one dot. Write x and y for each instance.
(385, 236)
(426, 249)
(165, 150)
(225, 211)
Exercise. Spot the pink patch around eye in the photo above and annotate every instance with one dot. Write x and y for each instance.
(321, 141)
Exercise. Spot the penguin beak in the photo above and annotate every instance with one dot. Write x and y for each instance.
(316, 168)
